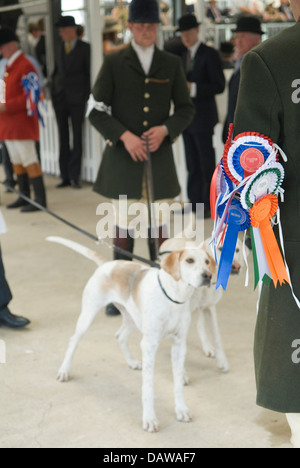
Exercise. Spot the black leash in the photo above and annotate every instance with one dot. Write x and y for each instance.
(153, 240)
(82, 231)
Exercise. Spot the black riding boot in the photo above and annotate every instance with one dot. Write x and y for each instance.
(39, 195)
(24, 187)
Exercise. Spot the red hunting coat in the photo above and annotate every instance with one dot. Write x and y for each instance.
(15, 124)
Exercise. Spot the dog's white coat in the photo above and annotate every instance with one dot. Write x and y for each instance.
(204, 301)
(135, 290)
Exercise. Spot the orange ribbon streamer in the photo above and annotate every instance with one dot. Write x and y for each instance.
(260, 214)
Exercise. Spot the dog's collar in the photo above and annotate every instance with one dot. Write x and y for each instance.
(166, 294)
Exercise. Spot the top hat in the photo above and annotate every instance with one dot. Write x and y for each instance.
(144, 11)
(7, 35)
(187, 22)
(249, 24)
(66, 22)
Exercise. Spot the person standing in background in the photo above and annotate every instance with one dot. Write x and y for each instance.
(131, 102)
(19, 126)
(247, 36)
(70, 89)
(205, 79)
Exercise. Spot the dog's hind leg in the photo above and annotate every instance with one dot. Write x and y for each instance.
(207, 347)
(221, 358)
(127, 328)
(90, 309)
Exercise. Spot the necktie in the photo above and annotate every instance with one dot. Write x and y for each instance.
(67, 47)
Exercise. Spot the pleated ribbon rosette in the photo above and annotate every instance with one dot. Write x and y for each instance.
(34, 95)
(244, 194)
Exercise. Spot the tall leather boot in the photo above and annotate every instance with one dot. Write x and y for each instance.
(124, 241)
(24, 187)
(36, 179)
(154, 242)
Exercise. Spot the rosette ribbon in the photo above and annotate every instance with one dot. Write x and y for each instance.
(34, 95)
(261, 214)
(220, 187)
(238, 220)
(247, 153)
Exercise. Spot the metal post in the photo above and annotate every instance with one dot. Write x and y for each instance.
(96, 25)
(52, 38)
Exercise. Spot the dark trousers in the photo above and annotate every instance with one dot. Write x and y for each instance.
(201, 162)
(7, 165)
(5, 293)
(70, 157)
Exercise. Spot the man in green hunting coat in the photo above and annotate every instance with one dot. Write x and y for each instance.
(269, 103)
(132, 101)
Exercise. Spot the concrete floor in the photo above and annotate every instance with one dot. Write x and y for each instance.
(101, 406)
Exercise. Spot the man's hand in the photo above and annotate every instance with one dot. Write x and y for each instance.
(156, 136)
(135, 146)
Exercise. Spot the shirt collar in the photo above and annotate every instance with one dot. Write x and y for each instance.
(194, 48)
(13, 58)
(142, 50)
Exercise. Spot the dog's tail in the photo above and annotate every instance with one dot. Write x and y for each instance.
(88, 253)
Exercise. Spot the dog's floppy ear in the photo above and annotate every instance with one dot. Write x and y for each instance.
(171, 264)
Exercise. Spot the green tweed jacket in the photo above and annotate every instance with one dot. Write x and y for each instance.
(134, 101)
(269, 103)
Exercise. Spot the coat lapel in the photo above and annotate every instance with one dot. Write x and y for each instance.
(133, 61)
(157, 62)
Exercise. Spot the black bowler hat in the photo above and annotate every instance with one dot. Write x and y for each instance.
(7, 35)
(250, 24)
(66, 22)
(187, 22)
(144, 11)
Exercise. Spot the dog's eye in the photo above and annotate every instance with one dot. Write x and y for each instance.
(190, 260)
(206, 262)
(237, 250)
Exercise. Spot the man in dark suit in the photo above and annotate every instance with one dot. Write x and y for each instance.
(247, 36)
(70, 91)
(205, 77)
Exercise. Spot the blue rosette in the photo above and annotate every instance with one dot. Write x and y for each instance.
(238, 220)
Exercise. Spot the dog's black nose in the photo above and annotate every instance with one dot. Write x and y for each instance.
(235, 269)
(206, 277)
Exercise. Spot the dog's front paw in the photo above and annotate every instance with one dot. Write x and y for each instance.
(135, 365)
(222, 363)
(63, 376)
(150, 425)
(209, 350)
(183, 415)
(185, 379)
